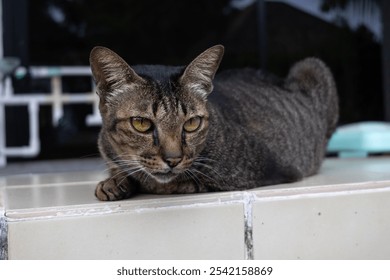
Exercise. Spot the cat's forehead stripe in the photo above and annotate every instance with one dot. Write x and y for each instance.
(183, 108)
(154, 108)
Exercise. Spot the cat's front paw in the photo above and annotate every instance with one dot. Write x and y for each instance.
(109, 189)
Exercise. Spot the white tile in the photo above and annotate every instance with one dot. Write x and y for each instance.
(51, 178)
(352, 171)
(199, 232)
(338, 225)
(35, 197)
(56, 216)
(348, 171)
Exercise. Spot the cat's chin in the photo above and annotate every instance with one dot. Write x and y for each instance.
(164, 178)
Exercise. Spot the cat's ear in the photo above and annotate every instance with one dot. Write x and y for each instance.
(111, 73)
(199, 74)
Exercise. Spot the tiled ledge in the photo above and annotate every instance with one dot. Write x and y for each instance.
(341, 213)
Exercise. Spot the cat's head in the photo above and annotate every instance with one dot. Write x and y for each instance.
(155, 118)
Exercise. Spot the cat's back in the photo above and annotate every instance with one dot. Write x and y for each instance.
(292, 118)
(247, 96)
(252, 97)
(238, 84)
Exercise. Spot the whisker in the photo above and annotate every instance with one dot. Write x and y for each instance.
(120, 183)
(89, 156)
(208, 167)
(205, 175)
(123, 166)
(145, 176)
(192, 176)
(200, 159)
(127, 172)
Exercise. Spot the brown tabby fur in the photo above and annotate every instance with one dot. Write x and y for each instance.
(254, 130)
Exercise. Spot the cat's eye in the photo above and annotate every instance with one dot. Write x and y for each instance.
(192, 124)
(141, 124)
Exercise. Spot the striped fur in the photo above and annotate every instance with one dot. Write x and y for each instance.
(254, 130)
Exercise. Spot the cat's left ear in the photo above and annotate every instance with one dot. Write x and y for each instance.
(199, 74)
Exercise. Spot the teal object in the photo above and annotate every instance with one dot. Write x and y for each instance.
(360, 139)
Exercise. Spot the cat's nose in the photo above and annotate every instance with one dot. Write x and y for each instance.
(173, 161)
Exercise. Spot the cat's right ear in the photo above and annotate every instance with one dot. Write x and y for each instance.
(111, 73)
(199, 74)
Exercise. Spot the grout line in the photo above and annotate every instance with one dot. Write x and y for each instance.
(248, 224)
(325, 191)
(3, 238)
(105, 209)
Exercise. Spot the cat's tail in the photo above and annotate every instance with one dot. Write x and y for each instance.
(311, 76)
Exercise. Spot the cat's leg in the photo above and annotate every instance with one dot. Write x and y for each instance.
(117, 186)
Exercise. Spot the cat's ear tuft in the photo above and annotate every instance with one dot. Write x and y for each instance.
(110, 72)
(199, 74)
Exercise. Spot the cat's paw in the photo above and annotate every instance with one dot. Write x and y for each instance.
(109, 189)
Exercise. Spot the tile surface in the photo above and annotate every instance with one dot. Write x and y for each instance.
(52, 179)
(342, 212)
(73, 188)
(210, 232)
(336, 226)
(88, 163)
(345, 171)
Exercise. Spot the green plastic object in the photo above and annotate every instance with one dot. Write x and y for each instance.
(360, 139)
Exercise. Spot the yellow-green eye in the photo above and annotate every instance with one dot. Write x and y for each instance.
(141, 124)
(192, 124)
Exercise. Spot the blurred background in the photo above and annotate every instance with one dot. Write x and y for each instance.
(349, 35)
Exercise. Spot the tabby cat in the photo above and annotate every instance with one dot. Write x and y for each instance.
(172, 129)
